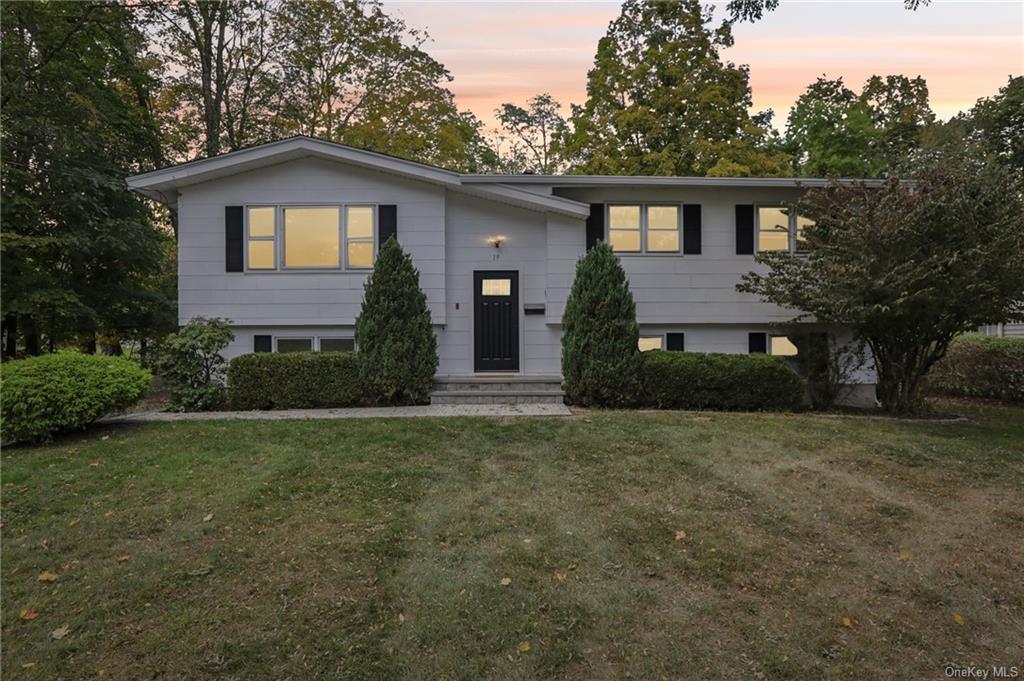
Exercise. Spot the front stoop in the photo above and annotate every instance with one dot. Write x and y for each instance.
(497, 389)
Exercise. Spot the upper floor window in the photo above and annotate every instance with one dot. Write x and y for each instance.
(643, 228)
(779, 228)
(310, 237)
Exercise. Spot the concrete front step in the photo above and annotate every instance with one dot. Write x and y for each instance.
(497, 397)
(498, 383)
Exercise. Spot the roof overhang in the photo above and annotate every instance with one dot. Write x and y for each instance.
(662, 181)
(163, 185)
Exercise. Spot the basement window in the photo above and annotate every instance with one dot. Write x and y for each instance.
(647, 343)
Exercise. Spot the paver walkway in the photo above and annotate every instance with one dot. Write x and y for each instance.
(429, 410)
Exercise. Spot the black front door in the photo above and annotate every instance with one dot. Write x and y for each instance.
(496, 321)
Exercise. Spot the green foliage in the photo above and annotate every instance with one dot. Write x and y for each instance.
(65, 391)
(191, 363)
(535, 134)
(981, 366)
(80, 251)
(660, 101)
(294, 380)
(600, 358)
(397, 346)
(825, 364)
(697, 380)
(907, 266)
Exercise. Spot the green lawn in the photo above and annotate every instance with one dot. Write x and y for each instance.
(640, 545)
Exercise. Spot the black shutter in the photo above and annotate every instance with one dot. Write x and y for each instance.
(234, 238)
(387, 224)
(674, 341)
(595, 224)
(261, 344)
(744, 230)
(691, 228)
(757, 343)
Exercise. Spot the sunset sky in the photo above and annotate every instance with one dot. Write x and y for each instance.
(505, 51)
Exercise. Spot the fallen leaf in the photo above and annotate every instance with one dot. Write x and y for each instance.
(125, 557)
(28, 665)
(847, 622)
(94, 464)
(505, 581)
(573, 565)
(958, 618)
(28, 614)
(560, 576)
(208, 517)
(60, 632)
(47, 576)
(680, 535)
(904, 555)
(73, 522)
(108, 513)
(401, 618)
(527, 541)
(523, 647)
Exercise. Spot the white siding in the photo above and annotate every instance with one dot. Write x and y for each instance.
(470, 221)
(299, 298)
(695, 289)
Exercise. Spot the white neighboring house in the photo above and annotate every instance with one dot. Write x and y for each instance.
(279, 239)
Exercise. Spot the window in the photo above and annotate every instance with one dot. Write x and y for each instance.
(779, 228)
(337, 344)
(359, 236)
(496, 287)
(624, 228)
(261, 238)
(644, 229)
(311, 237)
(649, 343)
(772, 228)
(783, 347)
(294, 344)
(663, 229)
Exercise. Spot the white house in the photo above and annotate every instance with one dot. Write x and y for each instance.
(279, 239)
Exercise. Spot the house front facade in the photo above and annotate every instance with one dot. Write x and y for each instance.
(280, 238)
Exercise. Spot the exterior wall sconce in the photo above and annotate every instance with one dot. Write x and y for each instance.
(496, 240)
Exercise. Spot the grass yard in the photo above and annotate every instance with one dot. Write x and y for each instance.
(608, 546)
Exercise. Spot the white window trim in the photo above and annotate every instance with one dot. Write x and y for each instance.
(248, 238)
(791, 228)
(373, 234)
(278, 239)
(643, 227)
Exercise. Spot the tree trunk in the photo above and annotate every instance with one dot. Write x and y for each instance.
(10, 336)
(31, 337)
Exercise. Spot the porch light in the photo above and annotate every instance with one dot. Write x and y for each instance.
(497, 240)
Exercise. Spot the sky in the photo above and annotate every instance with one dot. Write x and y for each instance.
(508, 51)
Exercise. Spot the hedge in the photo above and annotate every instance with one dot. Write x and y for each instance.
(65, 391)
(697, 380)
(294, 380)
(981, 366)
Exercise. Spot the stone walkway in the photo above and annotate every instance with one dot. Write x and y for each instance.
(431, 410)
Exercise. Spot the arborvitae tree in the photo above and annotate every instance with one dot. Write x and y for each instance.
(397, 346)
(600, 358)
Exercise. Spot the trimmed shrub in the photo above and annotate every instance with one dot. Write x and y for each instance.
(697, 380)
(600, 358)
(191, 363)
(981, 366)
(397, 346)
(65, 391)
(294, 380)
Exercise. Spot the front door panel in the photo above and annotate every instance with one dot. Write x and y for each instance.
(496, 321)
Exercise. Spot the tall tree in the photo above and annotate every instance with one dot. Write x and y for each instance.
(660, 101)
(80, 251)
(908, 266)
(222, 84)
(754, 10)
(834, 131)
(535, 133)
(358, 76)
